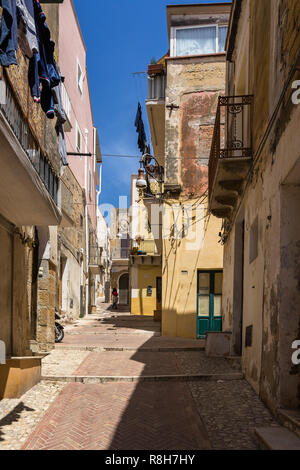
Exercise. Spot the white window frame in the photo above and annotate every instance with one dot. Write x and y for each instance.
(174, 29)
(78, 130)
(79, 80)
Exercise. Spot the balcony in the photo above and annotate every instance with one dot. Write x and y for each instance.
(231, 154)
(28, 183)
(156, 83)
(146, 253)
(94, 260)
(155, 105)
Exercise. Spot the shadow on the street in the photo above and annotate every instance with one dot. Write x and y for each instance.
(119, 319)
(12, 417)
(159, 414)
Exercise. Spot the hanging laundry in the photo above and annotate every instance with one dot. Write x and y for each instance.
(34, 78)
(26, 28)
(61, 119)
(9, 33)
(42, 67)
(142, 140)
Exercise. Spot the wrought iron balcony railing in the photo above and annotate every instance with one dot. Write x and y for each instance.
(232, 138)
(20, 126)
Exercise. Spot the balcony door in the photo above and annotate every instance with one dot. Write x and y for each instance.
(6, 286)
(209, 300)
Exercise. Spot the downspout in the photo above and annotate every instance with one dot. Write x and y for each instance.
(87, 254)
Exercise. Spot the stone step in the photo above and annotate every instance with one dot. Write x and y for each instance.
(277, 438)
(120, 349)
(148, 334)
(290, 419)
(145, 378)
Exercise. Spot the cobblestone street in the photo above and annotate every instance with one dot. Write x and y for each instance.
(128, 388)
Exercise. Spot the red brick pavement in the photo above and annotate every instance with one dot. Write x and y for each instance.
(121, 417)
(126, 363)
(128, 341)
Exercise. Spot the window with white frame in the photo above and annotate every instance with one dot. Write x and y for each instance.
(78, 139)
(198, 40)
(79, 77)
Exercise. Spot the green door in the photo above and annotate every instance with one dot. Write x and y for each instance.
(209, 300)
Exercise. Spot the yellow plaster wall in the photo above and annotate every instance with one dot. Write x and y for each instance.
(141, 278)
(179, 291)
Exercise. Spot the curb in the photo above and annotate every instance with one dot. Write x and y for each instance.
(103, 349)
(149, 378)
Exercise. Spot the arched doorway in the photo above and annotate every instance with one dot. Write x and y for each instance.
(124, 289)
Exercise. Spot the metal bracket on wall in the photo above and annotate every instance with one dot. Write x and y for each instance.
(172, 106)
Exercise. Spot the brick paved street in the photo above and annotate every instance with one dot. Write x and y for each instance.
(153, 415)
(121, 416)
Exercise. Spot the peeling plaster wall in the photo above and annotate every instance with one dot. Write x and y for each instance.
(271, 281)
(193, 84)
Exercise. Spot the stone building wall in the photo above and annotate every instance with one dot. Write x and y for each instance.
(270, 202)
(24, 237)
(71, 247)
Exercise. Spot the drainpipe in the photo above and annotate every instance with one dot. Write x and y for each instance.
(87, 254)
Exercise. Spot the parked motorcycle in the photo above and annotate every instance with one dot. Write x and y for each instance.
(59, 330)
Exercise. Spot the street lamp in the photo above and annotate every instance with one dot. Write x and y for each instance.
(154, 174)
(141, 182)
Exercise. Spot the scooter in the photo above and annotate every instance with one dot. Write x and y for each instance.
(59, 330)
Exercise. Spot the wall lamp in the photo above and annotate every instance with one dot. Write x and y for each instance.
(150, 172)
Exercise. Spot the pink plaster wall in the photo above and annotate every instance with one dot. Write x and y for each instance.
(71, 50)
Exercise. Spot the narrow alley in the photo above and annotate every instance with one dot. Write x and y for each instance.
(149, 227)
(115, 383)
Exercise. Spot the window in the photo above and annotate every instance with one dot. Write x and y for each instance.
(222, 37)
(198, 40)
(253, 241)
(78, 139)
(79, 78)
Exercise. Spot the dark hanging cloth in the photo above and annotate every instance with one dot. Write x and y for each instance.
(42, 67)
(142, 139)
(9, 33)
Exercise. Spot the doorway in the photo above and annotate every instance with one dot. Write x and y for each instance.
(238, 290)
(209, 301)
(289, 293)
(62, 285)
(124, 289)
(158, 293)
(34, 287)
(6, 285)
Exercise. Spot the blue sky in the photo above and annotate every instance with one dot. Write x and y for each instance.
(121, 38)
